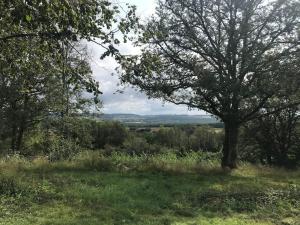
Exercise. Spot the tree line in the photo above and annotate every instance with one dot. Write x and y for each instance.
(235, 59)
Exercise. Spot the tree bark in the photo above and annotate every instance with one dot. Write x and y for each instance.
(13, 138)
(22, 123)
(19, 138)
(229, 159)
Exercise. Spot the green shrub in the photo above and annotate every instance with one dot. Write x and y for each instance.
(187, 138)
(172, 138)
(246, 201)
(205, 138)
(59, 148)
(273, 139)
(139, 146)
(94, 161)
(9, 186)
(61, 139)
(108, 133)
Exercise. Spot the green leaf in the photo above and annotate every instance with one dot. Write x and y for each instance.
(28, 18)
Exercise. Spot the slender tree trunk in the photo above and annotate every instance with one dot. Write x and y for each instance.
(229, 159)
(22, 124)
(14, 128)
(19, 138)
(269, 158)
(282, 157)
(13, 139)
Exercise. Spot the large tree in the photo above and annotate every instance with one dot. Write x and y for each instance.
(24, 80)
(42, 70)
(226, 57)
(39, 81)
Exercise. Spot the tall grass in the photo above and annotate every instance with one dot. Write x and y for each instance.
(142, 189)
(166, 162)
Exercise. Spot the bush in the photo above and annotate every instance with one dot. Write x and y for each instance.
(87, 133)
(186, 138)
(205, 138)
(63, 150)
(60, 148)
(172, 138)
(108, 133)
(63, 138)
(272, 140)
(79, 130)
(139, 146)
(94, 161)
(9, 186)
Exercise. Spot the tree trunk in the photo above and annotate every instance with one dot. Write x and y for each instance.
(229, 159)
(13, 138)
(22, 123)
(269, 159)
(19, 138)
(282, 159)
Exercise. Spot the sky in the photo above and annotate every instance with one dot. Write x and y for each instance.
(130, 101)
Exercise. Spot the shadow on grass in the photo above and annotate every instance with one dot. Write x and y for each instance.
(150, 194)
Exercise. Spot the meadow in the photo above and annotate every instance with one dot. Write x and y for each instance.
(234, 63)
(162, 189)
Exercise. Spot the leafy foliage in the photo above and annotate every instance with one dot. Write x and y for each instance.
(44, 71)
(225, 57)
(273, 140)
(66, 20)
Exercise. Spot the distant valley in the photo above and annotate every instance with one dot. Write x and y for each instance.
(158, 119)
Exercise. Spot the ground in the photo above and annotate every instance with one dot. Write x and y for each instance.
(139, 191)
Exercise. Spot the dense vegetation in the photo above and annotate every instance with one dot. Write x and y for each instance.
(235, 59)
(44, 66)
(61, 138)
(121, 189)
(46, 76)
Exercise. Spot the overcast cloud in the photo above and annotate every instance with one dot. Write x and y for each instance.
(130, 101)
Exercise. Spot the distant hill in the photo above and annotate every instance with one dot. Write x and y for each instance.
(158, 119)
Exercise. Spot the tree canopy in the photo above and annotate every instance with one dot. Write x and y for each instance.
(44, 68)
(92, 20)
(226, 57)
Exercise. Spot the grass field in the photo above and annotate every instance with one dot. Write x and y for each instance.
(160, 190)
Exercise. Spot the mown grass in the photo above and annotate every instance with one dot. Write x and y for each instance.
(164, 189)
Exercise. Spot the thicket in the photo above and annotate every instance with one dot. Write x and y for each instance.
(60, 138)
(273, 140)
(63, 138)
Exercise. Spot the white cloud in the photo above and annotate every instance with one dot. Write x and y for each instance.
(130, 101)
(145, 8)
